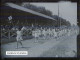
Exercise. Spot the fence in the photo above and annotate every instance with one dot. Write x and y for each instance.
(8, 35)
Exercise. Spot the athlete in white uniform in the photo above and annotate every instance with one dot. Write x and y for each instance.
(35, 34)
(62, 32)
(49, 31)
(39, 33)
(53, 30)
(55, 33)
(59, 33)
(44, 33)
(19, 37)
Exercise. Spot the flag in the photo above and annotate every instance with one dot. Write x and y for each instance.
(10, 18)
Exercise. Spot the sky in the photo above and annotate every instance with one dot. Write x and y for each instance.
(67, 10)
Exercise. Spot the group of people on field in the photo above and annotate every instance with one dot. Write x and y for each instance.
(45, 33)
(52, 32)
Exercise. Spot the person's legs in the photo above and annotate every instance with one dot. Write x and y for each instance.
(21, 43)
(35, 39)
(17, 44)
(44, 37)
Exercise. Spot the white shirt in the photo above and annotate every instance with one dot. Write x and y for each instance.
(19, 36)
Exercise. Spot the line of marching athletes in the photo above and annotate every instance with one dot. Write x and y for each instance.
(52, 32)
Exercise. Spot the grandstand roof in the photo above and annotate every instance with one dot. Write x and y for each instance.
(28, 10)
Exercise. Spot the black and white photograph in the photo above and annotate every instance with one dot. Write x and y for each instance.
(39, 29)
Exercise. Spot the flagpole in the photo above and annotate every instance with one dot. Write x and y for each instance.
(58, 14)
(59, 19)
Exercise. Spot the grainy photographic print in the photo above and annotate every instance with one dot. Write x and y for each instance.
(31, 29)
